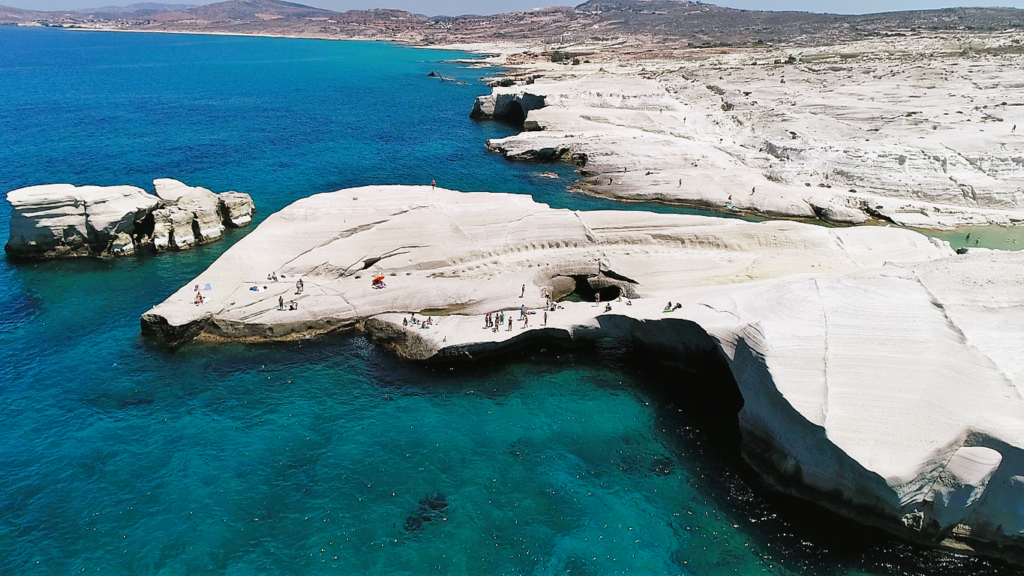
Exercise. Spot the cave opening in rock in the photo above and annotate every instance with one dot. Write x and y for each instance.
(144, 227)
(584, 292)
(698, 384)
(697, 396)
(513, 114)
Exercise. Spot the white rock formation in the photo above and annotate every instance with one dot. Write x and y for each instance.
(61, 220)
(881, 374)
(192, 216)
(172, 229)
(236, 208)
(914, 131)
(511, 105)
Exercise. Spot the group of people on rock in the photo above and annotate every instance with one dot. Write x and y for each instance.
(198, 299)
(292, 305)
(423, 324)
(299, 286)
(496, 320)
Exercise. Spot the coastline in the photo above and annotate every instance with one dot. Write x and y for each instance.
(482, 49)
(547, 123)
(726, 132)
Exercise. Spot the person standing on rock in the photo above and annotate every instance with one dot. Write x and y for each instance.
(509, 323)
(526, 322)
(522, 311)
(523, 293)
(545, 318)
(433, 184)
(280, 302)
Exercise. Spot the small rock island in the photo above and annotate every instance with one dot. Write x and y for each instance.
(66, 221)
(880, 372)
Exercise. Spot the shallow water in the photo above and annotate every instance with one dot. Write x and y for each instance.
(119, 457)
(994, 237)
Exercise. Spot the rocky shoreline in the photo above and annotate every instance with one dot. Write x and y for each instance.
(879, 371)
(892, 131)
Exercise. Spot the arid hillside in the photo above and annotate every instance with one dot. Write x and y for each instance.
(661, 26)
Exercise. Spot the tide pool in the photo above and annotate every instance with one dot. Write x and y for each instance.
(330, 455)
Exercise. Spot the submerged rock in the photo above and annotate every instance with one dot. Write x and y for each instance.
(62, 220)
(431, 508)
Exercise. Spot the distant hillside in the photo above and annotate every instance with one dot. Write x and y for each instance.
(9, 15)
(709, 24)
(673, 24)
(142, 7)
(257, 10)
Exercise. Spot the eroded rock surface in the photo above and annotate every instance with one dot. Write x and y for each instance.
(916, 131)
(194, 215)
(62, 220)
(880, 373)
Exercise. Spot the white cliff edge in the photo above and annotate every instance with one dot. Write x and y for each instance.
(881, 374)
(62, 220)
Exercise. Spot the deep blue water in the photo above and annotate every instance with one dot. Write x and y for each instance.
(119, 457)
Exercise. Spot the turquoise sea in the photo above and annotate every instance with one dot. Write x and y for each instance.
(330, 455)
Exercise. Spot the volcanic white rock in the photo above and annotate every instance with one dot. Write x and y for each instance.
(59, 220)
(195, 215)
(881, 374)
(236, 208)
(916, 131)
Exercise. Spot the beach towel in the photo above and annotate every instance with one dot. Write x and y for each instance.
(207, 288)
